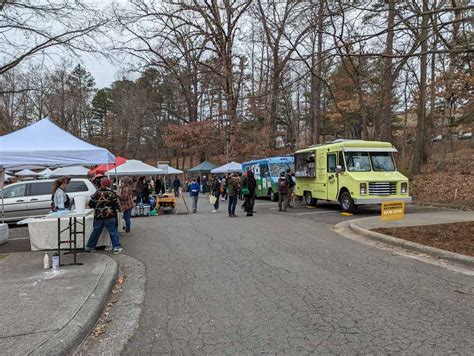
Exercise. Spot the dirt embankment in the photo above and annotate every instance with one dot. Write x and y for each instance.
(452, 186)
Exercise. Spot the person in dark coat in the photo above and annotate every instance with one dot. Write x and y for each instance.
(145, 188)
(139, 188)
(233, 186)
(283, 187)
(176, 185)
(204, 184)
(106, 204)
(216, 191)
(158, 185)
(291, 188)
(250, 183)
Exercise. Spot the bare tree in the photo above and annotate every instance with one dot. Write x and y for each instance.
(29, 29)
(284, 32)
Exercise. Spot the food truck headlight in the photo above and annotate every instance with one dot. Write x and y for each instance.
(404, 187)
(363, 188)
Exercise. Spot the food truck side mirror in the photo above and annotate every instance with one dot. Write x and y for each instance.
(339, 169)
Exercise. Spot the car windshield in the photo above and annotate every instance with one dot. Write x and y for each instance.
(277, 168)
(357, 162)
(382, 161)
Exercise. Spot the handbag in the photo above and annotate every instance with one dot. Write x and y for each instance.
(212, 199)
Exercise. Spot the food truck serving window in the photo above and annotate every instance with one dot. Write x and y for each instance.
(305, 165)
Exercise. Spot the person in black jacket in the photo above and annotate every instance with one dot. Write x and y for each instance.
(158, 184)
(291, 187)
(216, 191)
(250, 183)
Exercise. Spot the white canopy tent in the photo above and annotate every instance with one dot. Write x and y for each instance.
(134, 167)
(7, 176)
(74, 171)
(45, 173)
(45, 144)
(23, 166)
(231, 167)
(168, 170)
(26, 173)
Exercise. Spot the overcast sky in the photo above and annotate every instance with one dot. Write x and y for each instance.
(103, 71)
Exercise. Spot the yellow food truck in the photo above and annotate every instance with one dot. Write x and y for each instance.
(351, 172)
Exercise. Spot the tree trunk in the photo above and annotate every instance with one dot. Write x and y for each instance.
(421, 110)
(385, 129)
(450, 96)
(316, 80)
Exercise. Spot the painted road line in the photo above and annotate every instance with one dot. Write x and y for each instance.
(18, 238)
(317, 212)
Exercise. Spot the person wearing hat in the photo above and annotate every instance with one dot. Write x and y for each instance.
(106, 204)
(283, 187)
(126, 202)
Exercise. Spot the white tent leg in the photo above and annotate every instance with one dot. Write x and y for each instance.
(2, 178)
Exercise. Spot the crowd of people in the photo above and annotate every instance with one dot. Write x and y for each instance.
(107, 202)
(234, 186)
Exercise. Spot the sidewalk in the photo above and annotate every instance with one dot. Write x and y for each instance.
(363, 227)
(50, 312)
(417, 219)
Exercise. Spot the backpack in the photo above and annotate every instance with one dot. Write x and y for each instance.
(291, 181)
(282, 182)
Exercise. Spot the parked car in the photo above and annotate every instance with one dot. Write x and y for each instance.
(30, 199)
(437, 138)
(465, 136)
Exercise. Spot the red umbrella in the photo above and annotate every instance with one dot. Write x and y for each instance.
(104, 167)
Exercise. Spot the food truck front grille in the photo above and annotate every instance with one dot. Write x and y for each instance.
(382, 188)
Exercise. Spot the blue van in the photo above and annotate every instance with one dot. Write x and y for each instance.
(267, 171)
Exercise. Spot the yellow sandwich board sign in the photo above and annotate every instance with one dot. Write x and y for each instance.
(394, 210)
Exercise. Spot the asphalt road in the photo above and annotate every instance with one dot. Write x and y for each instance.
(285, 283)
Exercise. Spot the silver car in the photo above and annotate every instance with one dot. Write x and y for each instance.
(29, 199)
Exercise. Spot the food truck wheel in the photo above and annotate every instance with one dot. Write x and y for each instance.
(309, 200)
(273, 196)
(347, 203)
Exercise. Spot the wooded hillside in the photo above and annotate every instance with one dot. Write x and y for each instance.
(234, 80)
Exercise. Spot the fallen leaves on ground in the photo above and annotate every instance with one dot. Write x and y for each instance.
(101, 326)
(444, 188)
(98, 330)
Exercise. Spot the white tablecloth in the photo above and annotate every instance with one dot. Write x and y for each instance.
(44, 233)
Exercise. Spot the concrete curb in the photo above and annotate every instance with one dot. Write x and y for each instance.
(124, 315)
(409, 245)
(65, 341)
